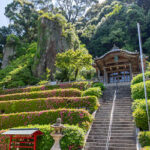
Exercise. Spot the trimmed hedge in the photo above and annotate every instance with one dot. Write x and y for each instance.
(42, 94)
(99, 84)
(137, 90)
(68, 116)
(73, 137)
(140, 116)
(78, 85)
(91, 103)
(95, 91)
(139, 103)
(139, 78)
(144, 138)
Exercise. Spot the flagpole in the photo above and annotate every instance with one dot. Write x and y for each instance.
(142, 66)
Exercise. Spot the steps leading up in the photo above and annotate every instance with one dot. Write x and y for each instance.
(123, 135)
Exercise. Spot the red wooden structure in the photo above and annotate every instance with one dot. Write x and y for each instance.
(23, 138)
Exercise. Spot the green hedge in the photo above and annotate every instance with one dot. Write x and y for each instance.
(95, 91)
(99, 84)
(42, 94)
(78, 85)
(91, 103)
(144, 138)
(139, 103)
(68, 116)
(139, 78)
(73, 137)
(137, 90)
(146, 148)
(140, 116)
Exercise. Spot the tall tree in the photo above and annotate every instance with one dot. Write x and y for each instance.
(73, 9)
(23, 18)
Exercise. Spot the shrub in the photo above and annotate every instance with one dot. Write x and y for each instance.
(140, 116)
(144, 138)
(99, 84)
(146, 148)
(42, 94)
(95, 91)
(139, 78)
(68, 116)
(73, 137)
(91, 103)
(139, 103)
(78, 85)
(137, 90)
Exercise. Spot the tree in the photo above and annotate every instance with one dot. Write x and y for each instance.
(73, 9)
(23, 18)
(71, 62)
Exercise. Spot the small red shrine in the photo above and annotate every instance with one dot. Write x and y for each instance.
(23, 138)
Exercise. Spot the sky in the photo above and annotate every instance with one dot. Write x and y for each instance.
(3, 19)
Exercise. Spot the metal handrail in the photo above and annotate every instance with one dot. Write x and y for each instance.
(111, 120)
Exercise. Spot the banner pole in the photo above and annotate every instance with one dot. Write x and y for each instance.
(142, 66)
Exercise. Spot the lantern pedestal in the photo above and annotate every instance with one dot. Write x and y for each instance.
(57, 138)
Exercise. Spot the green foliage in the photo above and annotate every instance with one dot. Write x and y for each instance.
(137, 90)
(98, 84)
(140, 114)
(139, 78)
(73, 137)
(12, 40)
(68, 116)
(90, 103)
(94, 91)
(42, 94)
(18, 73)
(114, 22)
(23, 17)
(144, 138)
(71, 62)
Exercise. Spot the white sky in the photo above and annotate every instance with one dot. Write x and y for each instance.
(3, 20)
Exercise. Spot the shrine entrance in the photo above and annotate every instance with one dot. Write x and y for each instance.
(118, 65)
(115, 77)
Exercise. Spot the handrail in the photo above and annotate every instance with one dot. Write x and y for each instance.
(111, 120)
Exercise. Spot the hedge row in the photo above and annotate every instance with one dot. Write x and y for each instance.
(68, 116)
(144, 138)
(140, 115)
(94, 91)
(137, 90)
(73, 137)
(139, 78)
(42, 94)
(78, 85)
(139, 103)
(91, 103)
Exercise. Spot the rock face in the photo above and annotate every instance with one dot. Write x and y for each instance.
(8, 52)
(51, 40)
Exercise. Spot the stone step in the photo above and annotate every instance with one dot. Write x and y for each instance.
(120, 144)
(110, 148)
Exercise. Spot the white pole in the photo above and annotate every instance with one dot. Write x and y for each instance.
(142, 65)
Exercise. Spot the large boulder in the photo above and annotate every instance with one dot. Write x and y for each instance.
(54, 36)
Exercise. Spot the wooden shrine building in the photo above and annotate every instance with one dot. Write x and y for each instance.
(118, 65)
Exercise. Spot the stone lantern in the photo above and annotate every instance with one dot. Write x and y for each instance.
(57, 134)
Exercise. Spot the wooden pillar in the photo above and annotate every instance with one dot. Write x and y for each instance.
(105, 76)
(130, 72)
(99, 74)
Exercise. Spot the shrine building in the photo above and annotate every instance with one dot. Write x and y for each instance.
(118, 65)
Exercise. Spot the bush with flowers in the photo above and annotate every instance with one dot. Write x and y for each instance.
(90, 103)
(42, 94)
(68, 116)
(73, 137)
(78, 85)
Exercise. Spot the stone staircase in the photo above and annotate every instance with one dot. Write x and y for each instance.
(123, 135)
